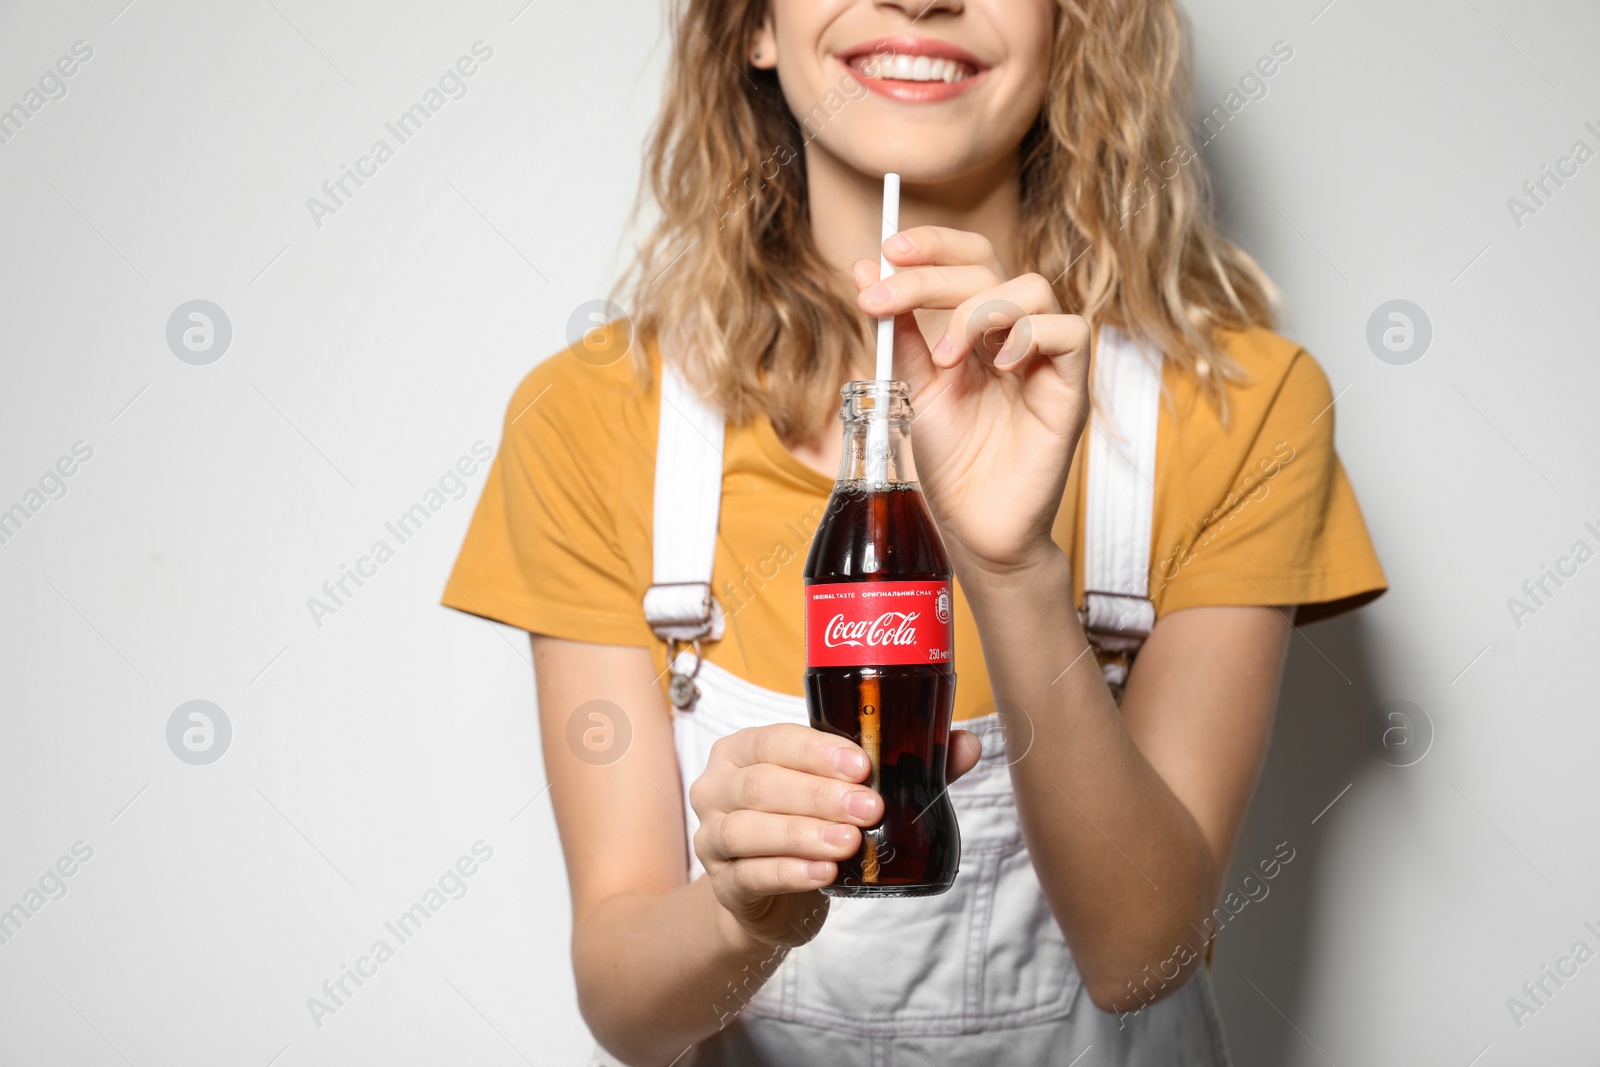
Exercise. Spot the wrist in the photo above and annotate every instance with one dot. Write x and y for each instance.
(734, 937)
(1035, 595)
(1043, 565)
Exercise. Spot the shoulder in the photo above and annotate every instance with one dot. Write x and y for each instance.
(1279, 404)
(1280, 379)
(600, 390)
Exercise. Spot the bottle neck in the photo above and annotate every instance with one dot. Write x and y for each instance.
(876, 452)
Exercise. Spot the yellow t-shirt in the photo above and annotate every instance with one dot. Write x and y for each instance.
(1256, 512)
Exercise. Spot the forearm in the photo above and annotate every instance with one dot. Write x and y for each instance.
(657, 973)
(1124, 865)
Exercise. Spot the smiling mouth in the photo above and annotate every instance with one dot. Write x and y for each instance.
(901, 67)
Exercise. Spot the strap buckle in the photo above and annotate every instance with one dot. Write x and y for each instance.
(683, 611)
(1116, 625)
(681, 614)
(681, 689)
(1122, 619)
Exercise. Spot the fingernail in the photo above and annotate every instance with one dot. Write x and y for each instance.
(942, 348)
(819, 871)
(852, 762)
(839, 836)
(862, 804)
(897, 243)
(878, 294)
(1005, 357)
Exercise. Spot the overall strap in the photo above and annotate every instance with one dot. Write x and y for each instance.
(1118, 613)
(679, 605)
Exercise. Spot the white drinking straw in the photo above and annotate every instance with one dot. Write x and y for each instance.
(878, 429)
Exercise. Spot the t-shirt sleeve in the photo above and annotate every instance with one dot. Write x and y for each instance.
(1289, 529)
(543, 552)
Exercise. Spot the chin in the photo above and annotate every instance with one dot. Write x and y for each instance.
(920, 157)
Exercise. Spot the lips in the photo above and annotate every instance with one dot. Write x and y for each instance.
(913, 69)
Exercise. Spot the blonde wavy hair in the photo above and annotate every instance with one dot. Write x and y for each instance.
(743, 303)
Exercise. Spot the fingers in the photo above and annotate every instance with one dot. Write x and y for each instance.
(767, 787)
(1062, 339)
(942, 246)
(796, 747)
(767, 876)
(786, 770)
(980, 319)
(779, 807)
(774, 829)
(745, 833)
(937, 267)
(921, 287)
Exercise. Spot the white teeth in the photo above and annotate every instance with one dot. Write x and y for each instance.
(911, 68)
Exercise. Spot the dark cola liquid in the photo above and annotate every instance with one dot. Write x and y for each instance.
(879, 536)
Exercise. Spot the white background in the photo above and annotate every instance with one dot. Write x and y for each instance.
(371, 352)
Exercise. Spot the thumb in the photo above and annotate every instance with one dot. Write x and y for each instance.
(965, 750)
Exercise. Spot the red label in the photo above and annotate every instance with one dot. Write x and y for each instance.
(879, 624)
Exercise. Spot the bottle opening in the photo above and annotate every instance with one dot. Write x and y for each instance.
(861, 401)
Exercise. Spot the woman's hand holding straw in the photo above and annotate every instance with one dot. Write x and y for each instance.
(995, 436)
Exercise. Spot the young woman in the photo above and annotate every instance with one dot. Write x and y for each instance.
(648, 517)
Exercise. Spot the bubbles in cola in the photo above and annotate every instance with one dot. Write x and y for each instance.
(880, 655)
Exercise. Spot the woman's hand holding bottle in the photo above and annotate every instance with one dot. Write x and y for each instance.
(779, 807)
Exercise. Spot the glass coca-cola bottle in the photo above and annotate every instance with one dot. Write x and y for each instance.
(880, 652)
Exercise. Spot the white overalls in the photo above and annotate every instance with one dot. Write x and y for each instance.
(980, 974)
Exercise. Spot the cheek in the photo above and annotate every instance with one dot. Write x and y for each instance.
(803, 32)
(806, 73)
(1027, 31)
(1017, 103)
